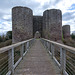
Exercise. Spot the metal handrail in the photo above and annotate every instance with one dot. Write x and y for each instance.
(11, 57)
(63, 49)
(3, 49)
(69, 48)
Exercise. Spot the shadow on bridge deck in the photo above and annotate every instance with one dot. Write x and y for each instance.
(37, 62)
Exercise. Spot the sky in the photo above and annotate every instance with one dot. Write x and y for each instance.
(38, 6)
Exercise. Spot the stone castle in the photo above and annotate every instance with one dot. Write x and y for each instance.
(25, 24)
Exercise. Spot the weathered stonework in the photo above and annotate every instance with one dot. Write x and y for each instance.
(66, 31)
(37, 35)
(22, 24)
(37, 24)
(55, 24)
(25, 25)
(52, 24)
(46, 24)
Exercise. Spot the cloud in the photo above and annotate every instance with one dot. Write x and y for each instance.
(68, 16)
(38, 6)
(54, 2)
(72, 7)
(6, 11)
(50, 4)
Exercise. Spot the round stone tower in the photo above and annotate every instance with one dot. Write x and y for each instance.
(22, 24)
(53, 26)
(66, 31)
(45, 24)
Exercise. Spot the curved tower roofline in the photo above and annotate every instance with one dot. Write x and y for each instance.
(51, 9)
(66, 25)
(21, 7)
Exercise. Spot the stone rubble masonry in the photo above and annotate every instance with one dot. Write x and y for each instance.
(22, 24)
(46, 24)
(37, 35)
(52, 24)
(25, 25)
(37, 24)
(66, 31)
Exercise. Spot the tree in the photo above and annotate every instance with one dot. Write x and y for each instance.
(3, 38)
(0, 39)
(73, 36)
(9, 35)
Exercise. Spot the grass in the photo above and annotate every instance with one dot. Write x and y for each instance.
(69, 68)
(3, 63)
(4, 58)
(6, 43)
(69, 42)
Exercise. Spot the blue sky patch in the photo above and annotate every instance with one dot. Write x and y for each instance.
(72, 7)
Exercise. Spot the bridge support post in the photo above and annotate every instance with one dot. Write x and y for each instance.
(22, 50)
(44, 43)
(62, 60)
(11, 60)
(27, 46)
(48, 46)
(52, 50)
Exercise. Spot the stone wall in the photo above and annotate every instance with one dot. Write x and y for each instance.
(52, 24)
(55, 24)
(46, 24)
(37, 24)
(22, 24)
(66, 31)
(25, 25)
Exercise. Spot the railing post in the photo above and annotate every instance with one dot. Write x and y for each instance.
(48, 46)
(22, 50)
(11, 60)
(27, 46)
(44, 43)
(52, 50)
(62, 60)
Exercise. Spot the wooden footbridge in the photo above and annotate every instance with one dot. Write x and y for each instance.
(37, 57)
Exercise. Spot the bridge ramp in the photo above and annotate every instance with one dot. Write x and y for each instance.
(37, 62)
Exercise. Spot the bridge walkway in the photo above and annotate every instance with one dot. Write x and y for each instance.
(37, 62)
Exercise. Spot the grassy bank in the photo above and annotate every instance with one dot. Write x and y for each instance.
(6, 43)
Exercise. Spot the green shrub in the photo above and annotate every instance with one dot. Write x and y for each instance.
(0, 39)
(6, 37)
(9, 35)
(62, 37)
(69, 42)
(73, 36)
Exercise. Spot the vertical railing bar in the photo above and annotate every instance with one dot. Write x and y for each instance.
(62, 60)
(11, 61)
(48, 46)
(52, 49)
(22, 50)
(27, 45)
